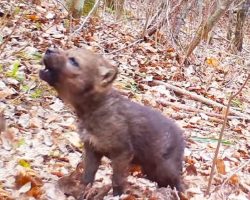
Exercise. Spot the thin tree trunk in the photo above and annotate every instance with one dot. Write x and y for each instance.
(230, 24)
(75, 7)
(206, 27)
(239, 34)
(152, 29)
(178, 19)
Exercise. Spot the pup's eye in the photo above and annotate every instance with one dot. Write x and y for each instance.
(73, 62)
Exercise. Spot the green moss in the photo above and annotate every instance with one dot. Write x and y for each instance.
(88, 5)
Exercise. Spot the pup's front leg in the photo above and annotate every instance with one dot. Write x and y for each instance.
(91, 163)
(120, 165)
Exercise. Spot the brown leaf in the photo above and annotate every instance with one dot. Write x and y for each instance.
(220, 165)
(35, 192)
(234, 180)
(135, 170)
(33, 17)
(37, 2)
(23, 177)
(130, 197)
(191, 170)
(212, 62)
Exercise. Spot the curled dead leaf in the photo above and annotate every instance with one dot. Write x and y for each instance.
(29, 176)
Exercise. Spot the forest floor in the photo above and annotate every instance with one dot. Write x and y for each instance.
(41, 144)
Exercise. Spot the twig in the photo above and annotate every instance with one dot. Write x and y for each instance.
(131, 44)
(88, 16)
(196, 110)
(199, 98)
(232, 96)
(62, 4)
(234, 172)
(244, 187)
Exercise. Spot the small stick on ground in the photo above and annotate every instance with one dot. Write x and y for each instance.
(131, 44)
(200, 98)
(234, 172)
(232, 96)
(196, 110)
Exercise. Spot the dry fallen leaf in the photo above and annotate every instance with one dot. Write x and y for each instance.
(28, 182)
(33, 17)
(220, 165)
(191, 170)
(234, 180)
(212, 62)
(4, 195)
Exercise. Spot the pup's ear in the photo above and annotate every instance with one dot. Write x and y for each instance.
(107, 72)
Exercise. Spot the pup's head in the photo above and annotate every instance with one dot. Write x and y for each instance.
(77, 73)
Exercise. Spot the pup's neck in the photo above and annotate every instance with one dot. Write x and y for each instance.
(85, 105)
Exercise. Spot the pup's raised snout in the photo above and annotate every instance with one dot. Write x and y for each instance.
(50, 51)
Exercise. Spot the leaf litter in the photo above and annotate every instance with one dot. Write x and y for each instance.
(40, 143)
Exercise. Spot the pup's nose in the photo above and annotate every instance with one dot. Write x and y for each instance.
(49, 51)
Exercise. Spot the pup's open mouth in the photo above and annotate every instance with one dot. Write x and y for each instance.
(49, 73)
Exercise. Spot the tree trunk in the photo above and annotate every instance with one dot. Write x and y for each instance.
(179, 19)
(239, 34)
(206, 26)
(231, 24)
(75, 7)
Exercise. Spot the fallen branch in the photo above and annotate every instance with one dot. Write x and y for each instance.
(232, 96)
(191, 109)
(199, 98)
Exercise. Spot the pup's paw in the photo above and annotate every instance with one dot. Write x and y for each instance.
(91, 193)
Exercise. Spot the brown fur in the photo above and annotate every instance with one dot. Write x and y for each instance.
(111, 125)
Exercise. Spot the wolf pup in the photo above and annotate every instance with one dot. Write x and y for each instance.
(112, 125)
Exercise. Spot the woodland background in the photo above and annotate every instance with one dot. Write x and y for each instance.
(184, 58)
